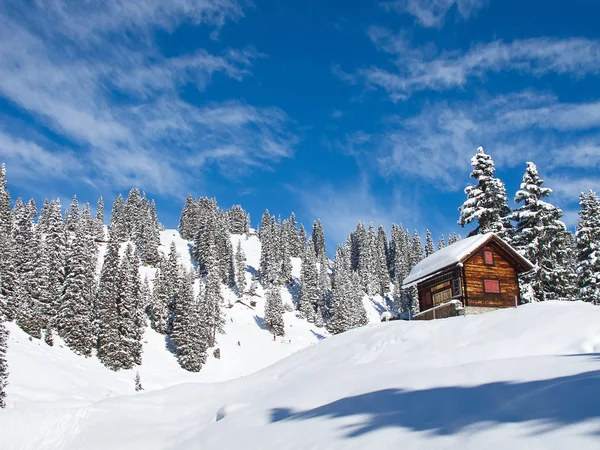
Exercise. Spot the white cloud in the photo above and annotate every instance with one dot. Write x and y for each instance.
(79, 72)
(427, 69)
(431, 13)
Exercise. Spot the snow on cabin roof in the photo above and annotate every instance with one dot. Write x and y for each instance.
(447, 256)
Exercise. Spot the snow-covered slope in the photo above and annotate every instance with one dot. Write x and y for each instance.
(55, 377)
(518, 378)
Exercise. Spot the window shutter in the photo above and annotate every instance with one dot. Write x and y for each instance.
(488, 258)
(491, 286)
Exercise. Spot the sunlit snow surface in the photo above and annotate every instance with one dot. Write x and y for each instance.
(526, 378)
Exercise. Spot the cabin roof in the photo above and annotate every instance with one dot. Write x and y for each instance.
(459, 252)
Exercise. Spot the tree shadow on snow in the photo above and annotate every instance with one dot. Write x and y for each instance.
(192, 259)
(319, 336)
(252, 271)
(170, 345)
(557, 402)
(260, 322)
(294, 290)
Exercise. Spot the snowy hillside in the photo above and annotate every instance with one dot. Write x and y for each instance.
(518, 378)
(72, 380)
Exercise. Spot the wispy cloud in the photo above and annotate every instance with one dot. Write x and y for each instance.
(76, 69)
(431, 13)
(436, 144)
(420, 69)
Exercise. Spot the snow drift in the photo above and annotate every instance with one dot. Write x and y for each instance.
(520, 378)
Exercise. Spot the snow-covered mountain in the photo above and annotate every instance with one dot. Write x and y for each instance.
(518, 378)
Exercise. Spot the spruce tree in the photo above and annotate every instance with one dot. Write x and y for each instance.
(382, 269)
(286, 262)
(238, 220)
(367, 262)
(416, 250)
(131, 315)
(5, 215)
(301, 240)
(318, 238)
(308, 299)
(240, 269)
(274, 311)
(110, 350)
(118, 221)
(99, 223)
(188, 334)
(72, 215)
(324, 284)
(341, 304)
(541, 237)
(3, 359)
(213, 299)
(454, 237)
(138, 382)
(486, 201)
(429, 248)
(359, 316)
(75, 314)
(441, 242)
(588, 247)
(158, 308)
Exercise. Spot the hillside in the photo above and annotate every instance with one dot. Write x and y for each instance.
(524, 378)
(70, 380)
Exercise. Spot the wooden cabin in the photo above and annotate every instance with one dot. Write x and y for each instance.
(480, 271)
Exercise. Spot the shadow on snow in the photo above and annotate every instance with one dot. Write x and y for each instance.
(447, 410)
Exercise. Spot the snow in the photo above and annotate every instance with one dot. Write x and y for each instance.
(447, 256)
(526, 377)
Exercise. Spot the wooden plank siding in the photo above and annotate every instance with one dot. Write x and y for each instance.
(476, 271)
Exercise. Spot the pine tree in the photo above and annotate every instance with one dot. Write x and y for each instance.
(286, 262)
(274, 311)
(186, 226)
(5, 215)
(301, 240)
(238, 220)
(240, 269)
(3, 359)
(158, 309)
(131, 315)
(324, 285)
(541, 237)
(206, 235)
(99, 223)
(416, 251)
(213, 299)
(138, 382)
(454, 237)
(118, 224)
(189, 334)
(359, 316)
(318, 239)
(8, 278)
(486, 201)
(588, 247)
(75, 314)
(110, 351)
(170, 283)
(441, 242)
(308, 299)
(382, 270)
(146, 295)
(429, 248)
(72, 215)
(367, 262)
(341, 304)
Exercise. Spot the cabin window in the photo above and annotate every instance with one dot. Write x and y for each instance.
(488, 258)
(491, 286)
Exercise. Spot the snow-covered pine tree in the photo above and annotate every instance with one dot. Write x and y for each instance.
(206, 233)
(188, 334)
(131, 315)
(5, 215)
(454, 237)
(588, 247)
(486, 201)
(146, 295)
(118, 221)
(301, 240)
(72, 215)
(75, 314)
(359, 315)
(318, 238)
(252, 289)
(382, 269)
(213, 298)
(3, 359)
(240, 269)
(186, 219)
(238, 220)
(9, 303)
(441, 242)
(110, 350)
(158, 310)
(308, 298)
(274, 311)
(541, 237)
(170, 282)
(324, 284)
(99, 222)
(286, 261)
(341, 304)
(367, 262)
(416, 250)
(357, 244)
(265, 223)
(224, 251)
(138, 382)
(429, 248)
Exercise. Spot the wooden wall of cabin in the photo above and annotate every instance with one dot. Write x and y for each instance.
(440, 289)
(476, 271)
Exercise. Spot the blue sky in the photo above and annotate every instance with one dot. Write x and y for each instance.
(337, 110)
